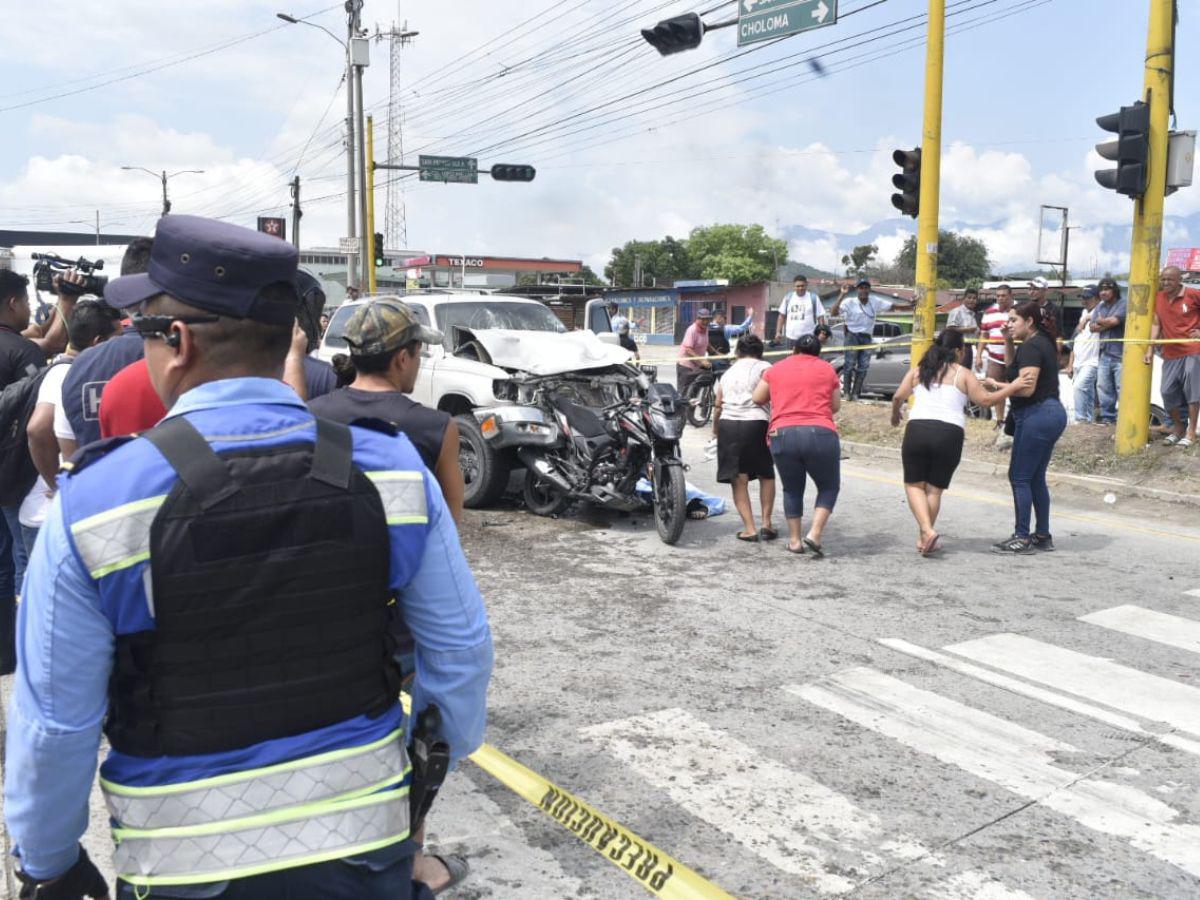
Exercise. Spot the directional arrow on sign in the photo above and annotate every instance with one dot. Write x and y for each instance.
(821, 12)
(766, 20)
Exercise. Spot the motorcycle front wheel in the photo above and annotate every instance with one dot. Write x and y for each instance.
(700, 404)
(541, 497)
(670, 504)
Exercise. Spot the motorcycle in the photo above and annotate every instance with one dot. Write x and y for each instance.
(702, 393)
(574, 453)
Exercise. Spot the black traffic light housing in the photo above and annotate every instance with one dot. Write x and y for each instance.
(1130, 151)
(504, 172)
(908, 182)
(675, 35)
(379, 258)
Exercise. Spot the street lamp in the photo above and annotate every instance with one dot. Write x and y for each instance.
(353, 89)
(164, 177)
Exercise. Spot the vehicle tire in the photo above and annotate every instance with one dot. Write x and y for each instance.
(1158, 416)
(700, 404)
(485, 471)
(670, 504)
(541, 497)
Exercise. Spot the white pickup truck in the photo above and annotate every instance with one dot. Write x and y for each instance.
(490, 338)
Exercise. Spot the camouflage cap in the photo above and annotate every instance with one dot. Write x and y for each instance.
(384, 326)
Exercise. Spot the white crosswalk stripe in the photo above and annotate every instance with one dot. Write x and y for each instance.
(792, 821)
(1036, 693)
(1174, 631)
(1007, 754)
(1099, 680)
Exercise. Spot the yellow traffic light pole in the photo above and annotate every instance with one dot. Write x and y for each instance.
(369, 237)
(1133, 414)
(925, 314)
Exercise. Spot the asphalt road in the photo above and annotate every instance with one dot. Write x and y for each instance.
(874, 723)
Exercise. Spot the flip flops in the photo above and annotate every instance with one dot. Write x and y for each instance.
(457, 866)
(768, 534)
(1172, 439)
(748, 538)
(814, 547)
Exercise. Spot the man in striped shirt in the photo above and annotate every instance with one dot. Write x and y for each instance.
(991, 331)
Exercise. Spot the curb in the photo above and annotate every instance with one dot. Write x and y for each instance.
(1095, 484)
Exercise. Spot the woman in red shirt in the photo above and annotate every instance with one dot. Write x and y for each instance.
(804, 393)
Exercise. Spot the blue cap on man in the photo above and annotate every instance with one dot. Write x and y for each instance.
(214, 266)
(1090, 292)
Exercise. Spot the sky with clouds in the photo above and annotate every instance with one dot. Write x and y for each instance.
(627, 144)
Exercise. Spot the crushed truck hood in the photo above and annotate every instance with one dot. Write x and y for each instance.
(546, 352)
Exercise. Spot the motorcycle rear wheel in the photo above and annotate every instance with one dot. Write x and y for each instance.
(541, 497)
(700, 404)
(670, 504)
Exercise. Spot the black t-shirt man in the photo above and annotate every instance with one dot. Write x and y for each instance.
(19, 356)
(425, 427)
(1038, 351)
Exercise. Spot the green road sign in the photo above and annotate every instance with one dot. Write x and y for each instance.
(449, 169)
(765, 20)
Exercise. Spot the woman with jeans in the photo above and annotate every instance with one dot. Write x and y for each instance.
(803, 393)
(1040, 419)
(740, 427)
(941, 386)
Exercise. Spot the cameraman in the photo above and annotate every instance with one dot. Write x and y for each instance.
(95, 366)
(51, 336)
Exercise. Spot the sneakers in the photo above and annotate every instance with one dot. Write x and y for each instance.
(1003, 442)
(1014, 544)
(1043, 542)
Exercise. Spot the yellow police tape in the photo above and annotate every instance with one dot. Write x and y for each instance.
(901, 345)
(653, 869)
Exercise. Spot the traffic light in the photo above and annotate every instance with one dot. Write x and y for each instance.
(1130, 151)
(908, 182)
(675, 35)
(513, 173)
(380, 261)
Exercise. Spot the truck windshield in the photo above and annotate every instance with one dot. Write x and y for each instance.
(489, 314)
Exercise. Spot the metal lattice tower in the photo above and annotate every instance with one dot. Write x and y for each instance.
(395, 213)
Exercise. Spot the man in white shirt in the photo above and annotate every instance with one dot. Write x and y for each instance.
(991, 351)
(800, 312)
(962, 320)
(615, 318)
(1085, 359)
(51, 438)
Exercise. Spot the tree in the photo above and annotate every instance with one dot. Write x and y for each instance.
(661, 262)
(740, 253)
(961, 259)
(860, 259)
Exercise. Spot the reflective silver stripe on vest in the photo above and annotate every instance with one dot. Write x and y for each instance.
(403, 495)
(261, 844)
(116, 538)
(313, 779)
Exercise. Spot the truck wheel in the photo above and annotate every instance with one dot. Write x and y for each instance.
(485, 472)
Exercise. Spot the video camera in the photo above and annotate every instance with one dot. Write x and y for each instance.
(47, 265)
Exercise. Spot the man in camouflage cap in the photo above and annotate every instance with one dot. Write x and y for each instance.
(384, 326)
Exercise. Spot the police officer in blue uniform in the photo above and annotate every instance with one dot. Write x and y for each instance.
(221, 596)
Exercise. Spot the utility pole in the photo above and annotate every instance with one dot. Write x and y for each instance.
(1133, 414)
(97, 228)
(351, 208)
(164, 178)
(296, 213)
(925, 314)
(372, 252)
(360, 50)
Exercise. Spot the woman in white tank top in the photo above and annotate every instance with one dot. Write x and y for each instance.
(941, 388)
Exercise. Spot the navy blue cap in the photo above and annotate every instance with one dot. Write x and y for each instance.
(1090, 292)
(214, 266)
(863, 283)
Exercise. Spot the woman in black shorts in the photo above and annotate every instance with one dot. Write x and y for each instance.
(740, 427)
(933, 441)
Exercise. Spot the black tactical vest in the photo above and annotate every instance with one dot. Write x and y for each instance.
(269, 589)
